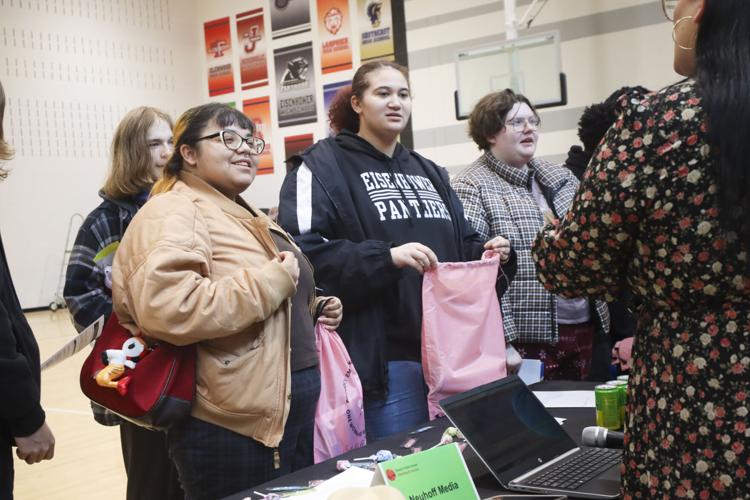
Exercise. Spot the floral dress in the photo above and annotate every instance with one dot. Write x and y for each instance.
(646, 217)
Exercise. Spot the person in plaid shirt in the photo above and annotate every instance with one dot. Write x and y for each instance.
(506, 192)
(141, 146)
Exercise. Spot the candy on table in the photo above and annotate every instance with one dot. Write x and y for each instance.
(450, 435)
(380, 456)
(409, 442)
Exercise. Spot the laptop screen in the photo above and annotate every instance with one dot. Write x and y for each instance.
(508, 427)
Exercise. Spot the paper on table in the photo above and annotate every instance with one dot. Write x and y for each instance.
(531, 371)
(354, 477)
(566, 399)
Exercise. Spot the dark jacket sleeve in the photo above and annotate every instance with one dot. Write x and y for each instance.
(87, 292)
(20, 411)
(355, 271)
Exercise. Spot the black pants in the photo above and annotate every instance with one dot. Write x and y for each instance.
(214, 462)
(6, 469)
(151, 474)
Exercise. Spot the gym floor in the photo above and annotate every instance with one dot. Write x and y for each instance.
(87, 463)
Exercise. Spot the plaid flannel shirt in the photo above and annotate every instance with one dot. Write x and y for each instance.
(497, 200)
(88, 285)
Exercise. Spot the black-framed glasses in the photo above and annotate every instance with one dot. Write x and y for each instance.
(233, 141)
(518, 124)
(668, 6)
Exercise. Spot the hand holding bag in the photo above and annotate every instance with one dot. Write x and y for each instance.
(150, 385)
(340, 416)
(463, 344)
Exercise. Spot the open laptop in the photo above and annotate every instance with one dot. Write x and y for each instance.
(525, 448)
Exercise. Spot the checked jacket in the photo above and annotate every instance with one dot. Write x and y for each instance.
(497, 201)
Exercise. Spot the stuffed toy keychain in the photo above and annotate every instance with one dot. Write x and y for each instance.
(117, 360)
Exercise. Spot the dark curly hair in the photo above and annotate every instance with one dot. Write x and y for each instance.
(341, 115)
(597, 118)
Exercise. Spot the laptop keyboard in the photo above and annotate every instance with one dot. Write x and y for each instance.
(576, 470)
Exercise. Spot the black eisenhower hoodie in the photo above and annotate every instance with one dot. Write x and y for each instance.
(396, 202)
(347, 204)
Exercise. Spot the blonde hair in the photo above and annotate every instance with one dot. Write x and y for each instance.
(187, 131)
(130, 171)
(6, 151)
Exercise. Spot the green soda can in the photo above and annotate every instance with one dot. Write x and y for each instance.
(622, 387)
(623, 377)
(607, 399)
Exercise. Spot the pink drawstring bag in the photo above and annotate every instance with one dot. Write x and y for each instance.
(463, 344)
(340, 416)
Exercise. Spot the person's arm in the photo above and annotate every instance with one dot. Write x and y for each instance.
(586, 253)
(353, 271)
(469, 198)
(328, 311)
(87, 292)
(21, 413)
(169, 293)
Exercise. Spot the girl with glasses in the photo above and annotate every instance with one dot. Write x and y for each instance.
(508, 192)
(141, 146)
(200, 265)
(663, 212)
(373, 216)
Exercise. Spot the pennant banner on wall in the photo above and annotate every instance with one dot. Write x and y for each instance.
(259, 111)
(334, 29)
(295, 84)
(251, 43)
(219, 57)
(375, 27)
(329, 92)
(289, 17)
(295, 144)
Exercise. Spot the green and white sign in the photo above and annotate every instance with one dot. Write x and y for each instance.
(439, 473)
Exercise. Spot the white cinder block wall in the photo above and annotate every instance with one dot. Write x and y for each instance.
(72, 68)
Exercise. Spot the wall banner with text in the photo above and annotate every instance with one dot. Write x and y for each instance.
(251, 43)
(295, 144)
(289, 17)
(259, 111)
(219, 57)
(334, 29)
(329, 92)
(376, 29)
(295, 84)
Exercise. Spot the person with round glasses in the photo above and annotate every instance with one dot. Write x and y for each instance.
(199, 265)
(507, 192)
(663, 212)
(141, 147)
(234, 141)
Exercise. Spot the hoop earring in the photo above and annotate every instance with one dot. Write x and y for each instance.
(674, 33)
